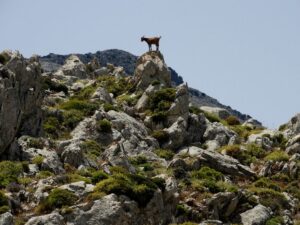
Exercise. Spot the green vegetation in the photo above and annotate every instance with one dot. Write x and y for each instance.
(4, 58)
(35, 143)
(87, 108)
(38, 160)
(130, 100)
(207, 173)
(136, 187)
(72, 118)
(141, 162)
(3, 203)
(266, 183)
(159, 117)
(232, 120)
(9, 172)
(57, 199)
(277, 155)
(162, 99)
(98, 176)
(92, 148)
(107, 107)
(164, 153)
(275, 221)
(44, 174)
(104, 126)
(195, 110)
(48, 84)
(212, 117)
(161, 136)
(116, 86)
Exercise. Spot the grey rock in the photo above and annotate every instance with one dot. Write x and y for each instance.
(219, 112)
(6, 219)
(21, 98)
(292, 128)
(102, 95)
(196, 128)
(223, 163)
(263, 139)
(150, 67)
(256, 216)
(177, 134)
(80, 188)
(293, 145)
(48, 219)
(74, 67)
(101, 71)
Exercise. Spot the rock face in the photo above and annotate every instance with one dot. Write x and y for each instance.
(49, 219)
(292, 128)
(150, 67)
(20, 98)
(256, 216)
(6, 219)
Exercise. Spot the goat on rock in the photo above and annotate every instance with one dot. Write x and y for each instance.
(152, 41)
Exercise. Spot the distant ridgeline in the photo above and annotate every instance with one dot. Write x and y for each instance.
(127, 60)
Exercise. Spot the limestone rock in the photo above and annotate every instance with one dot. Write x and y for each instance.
(292, 128)
(256, 216)
(293, 145)
(151, 67)
(177, 134)
(21, 98)
(102, 95)
(6, 219)
(219, 112)
(48, 219)
(74, 67)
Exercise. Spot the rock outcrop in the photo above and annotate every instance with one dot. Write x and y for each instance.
(20, 98)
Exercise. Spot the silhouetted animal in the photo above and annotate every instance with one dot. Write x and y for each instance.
(152, 41)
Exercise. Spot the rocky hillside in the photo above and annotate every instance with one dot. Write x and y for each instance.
(86, 144)
(127, 60)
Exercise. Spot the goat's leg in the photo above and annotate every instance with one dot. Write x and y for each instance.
(157, 47)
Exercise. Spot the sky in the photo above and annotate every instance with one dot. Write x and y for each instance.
(243, 53)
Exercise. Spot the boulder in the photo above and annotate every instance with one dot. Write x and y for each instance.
(222, 163)
(74, 67)
(219, 112)
(293, 145)
(102, 95)
(177, 134)
(196, 126)
(292, 128)
(263, 139)
(21, 98)
(6, 219)
(80, 188)
(151, 67)
(48, 219)
(256, 216)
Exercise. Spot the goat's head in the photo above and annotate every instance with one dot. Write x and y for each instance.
(143, 38)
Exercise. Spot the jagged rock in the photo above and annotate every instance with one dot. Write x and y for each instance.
(143, 101)
(180, 107)
(263, 139)
(101, 71)
(219, 134)
(177, 134)
(256, 216)
(74, 67)
(151, 67)
(21, 98)
(292, 128)
(293, 145)
(48, 219)
(219, 112)
(6, 219)
(253, 124)
(196, 128)
(51, 159)
(222, 163)
(222, 204)
(102, 95)
(80, 188)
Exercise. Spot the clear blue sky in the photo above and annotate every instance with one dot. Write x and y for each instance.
(244, 53)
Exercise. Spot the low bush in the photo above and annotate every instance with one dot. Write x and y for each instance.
(275, 221)
(92, 148)
(57, 198)
(38, 160)
(207, 173)
(9, 172)
(159, 117)
(232, 120)
(266, 183)
(161, 136)
(86, 107)
(195, 110)
(48, 84)
(72, 118)
(35, 143)
(212, 117)
(3, 203)
(4, 58)
(104, 126)
(164, 153)
(107, 107)
(98, 176)
(51, 126)
(136, 187)
(277, 155)
(162, 99)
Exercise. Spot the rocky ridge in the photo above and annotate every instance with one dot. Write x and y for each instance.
(87, 144)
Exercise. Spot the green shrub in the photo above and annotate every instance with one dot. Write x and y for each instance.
(207, 174)
(271, 198)
(162, 98)
(54, 86)
(72, 118)
(9, 172)
(277, 155)
(138, 160)
(57, 198)
(161, 136)
(232, 120)
(131, 101)
(136, 187)
(275, 221)
(266, 183)
(195, 110)
(3, 203)
(255, 150)
(38, 160)
(104, 126)
(160, 182)
(114, 85)
(164, 153)
(107, 107)
(92, 148)
(3, 58)
(281, 177)
(159, 117)
(44, 174)
(155, 82)
(35, 143)
(86, 93)
(86, 107)
(98, 176)
(282, 127)
(212, 117)
(51, 125)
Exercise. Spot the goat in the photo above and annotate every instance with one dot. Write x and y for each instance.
(151, 41)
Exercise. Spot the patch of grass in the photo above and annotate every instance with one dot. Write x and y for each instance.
(195, 110)
(44, 174)
(92, 148)
(3, 203)
(136, 187)
(212, 117)
(57, 198)
(35, 143)
(116, 86)
(275, 221)
(9, 172)
(131, 101)
(277, 155)
(141, 162)
(86, 107)
(4, 58)
(232, 120)
(164, 153)
(107, 107)
(98, 176)
(48, 84)
(38, 160)
(265, 182)
(51, 126)
(104, 126)
(161, 136)
(72, 118)
(86, 93)
(207, 173)
(282, 127)
(162, 99)
(159, 117)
